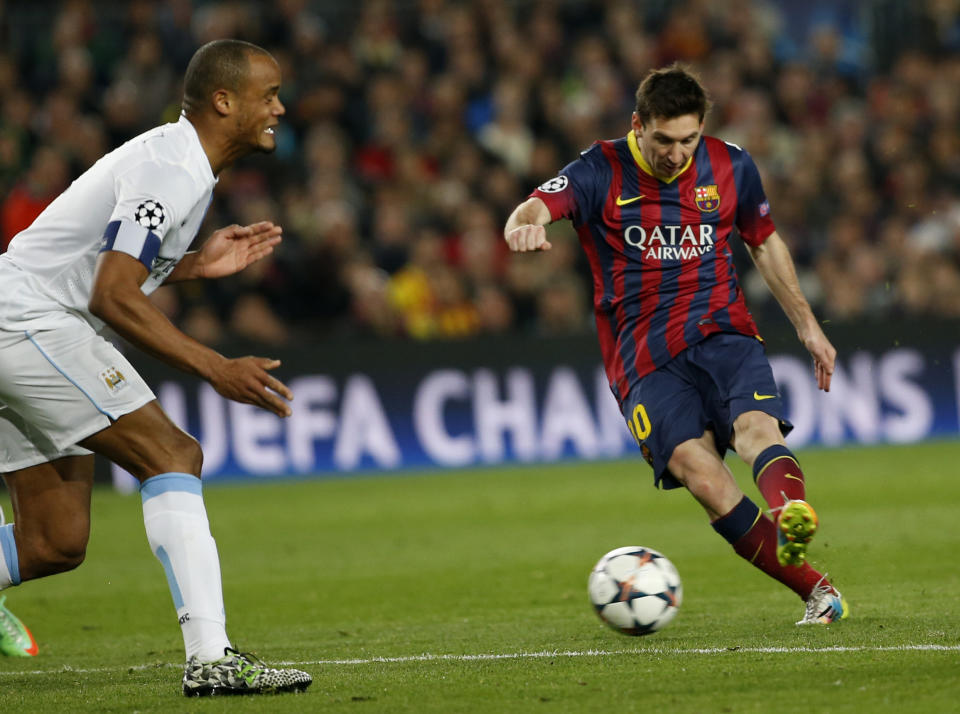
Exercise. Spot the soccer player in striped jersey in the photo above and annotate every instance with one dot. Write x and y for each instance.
(654, 212)
(89, 261)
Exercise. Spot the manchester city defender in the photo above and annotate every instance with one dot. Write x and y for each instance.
(88, 261)
(654, 212)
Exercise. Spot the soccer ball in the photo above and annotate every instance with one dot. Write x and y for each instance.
(635, 590)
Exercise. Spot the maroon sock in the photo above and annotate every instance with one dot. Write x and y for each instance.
(754, 538)
(777, 474)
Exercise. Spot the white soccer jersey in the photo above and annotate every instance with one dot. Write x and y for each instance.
(146, 198)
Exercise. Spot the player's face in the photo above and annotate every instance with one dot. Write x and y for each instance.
(667, 144)
(259, 104)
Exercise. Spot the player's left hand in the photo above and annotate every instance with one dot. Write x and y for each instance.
(231, 249)
(824, 356)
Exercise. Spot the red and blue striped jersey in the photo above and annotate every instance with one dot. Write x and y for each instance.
(659, 251)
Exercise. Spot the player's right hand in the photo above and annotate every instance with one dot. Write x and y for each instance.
(247, 380)
(528, 237)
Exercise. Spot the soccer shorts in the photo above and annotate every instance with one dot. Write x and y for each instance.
(58, 387)
(707, 386)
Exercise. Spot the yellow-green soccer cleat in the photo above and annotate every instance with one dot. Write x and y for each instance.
(15, 638)
(239, 673)
(824, 605)
(796, 524)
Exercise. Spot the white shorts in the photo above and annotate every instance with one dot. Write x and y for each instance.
(58, 387)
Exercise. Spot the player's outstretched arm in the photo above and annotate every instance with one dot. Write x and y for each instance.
(772, 258)
(227, 251)
(525, 226)
(116, 299)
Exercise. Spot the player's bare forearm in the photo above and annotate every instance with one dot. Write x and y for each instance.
(118, 301)
(773, 260)
(524, 230)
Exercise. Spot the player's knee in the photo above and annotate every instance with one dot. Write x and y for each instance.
(687, 462)
(69, 555)
(702, 485)
(754, 432)
(173, 451)
(54, 553)
(189, 453)
(182, 453)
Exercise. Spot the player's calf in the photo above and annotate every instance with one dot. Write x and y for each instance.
(43, 554)
(778, 476)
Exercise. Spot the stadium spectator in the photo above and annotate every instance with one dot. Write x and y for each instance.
(448, 107)
(47, 176)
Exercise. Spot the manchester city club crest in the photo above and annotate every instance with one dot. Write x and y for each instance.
(707, 197)
(114, 379)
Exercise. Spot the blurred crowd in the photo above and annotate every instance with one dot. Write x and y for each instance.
(414, 127)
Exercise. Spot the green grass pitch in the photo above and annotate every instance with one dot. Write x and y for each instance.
(466, 592)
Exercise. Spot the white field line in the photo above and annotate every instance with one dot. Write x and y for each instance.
(545, 654)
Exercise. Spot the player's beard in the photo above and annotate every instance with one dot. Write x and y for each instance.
(259, 142)
(266, 146)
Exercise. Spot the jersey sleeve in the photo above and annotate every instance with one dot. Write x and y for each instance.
(573, 193)
(150, 198)
(753, 210)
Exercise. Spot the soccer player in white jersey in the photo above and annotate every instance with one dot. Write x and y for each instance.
(90, 260)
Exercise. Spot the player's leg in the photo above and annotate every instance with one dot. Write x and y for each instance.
(49, 533)
(167, 462)
(741, 397)
(697, 464)
(69, 386)
(742, 400)
(759, 441)
(51, 515)
(668, 415)
(49, 484)
(777, 473)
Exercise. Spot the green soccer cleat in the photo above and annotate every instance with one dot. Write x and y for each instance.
(796, 524)
(824, 605)
(239, 673)
(15, 638)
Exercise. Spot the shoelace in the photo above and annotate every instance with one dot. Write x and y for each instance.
(248, 662)
(786, 502)
(816, 596)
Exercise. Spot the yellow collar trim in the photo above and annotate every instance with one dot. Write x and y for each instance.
(642, 162)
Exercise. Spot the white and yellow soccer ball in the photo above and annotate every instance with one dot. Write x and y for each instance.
(635, 590)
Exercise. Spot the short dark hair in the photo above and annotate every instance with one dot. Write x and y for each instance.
(671, 92)
(221, 64)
